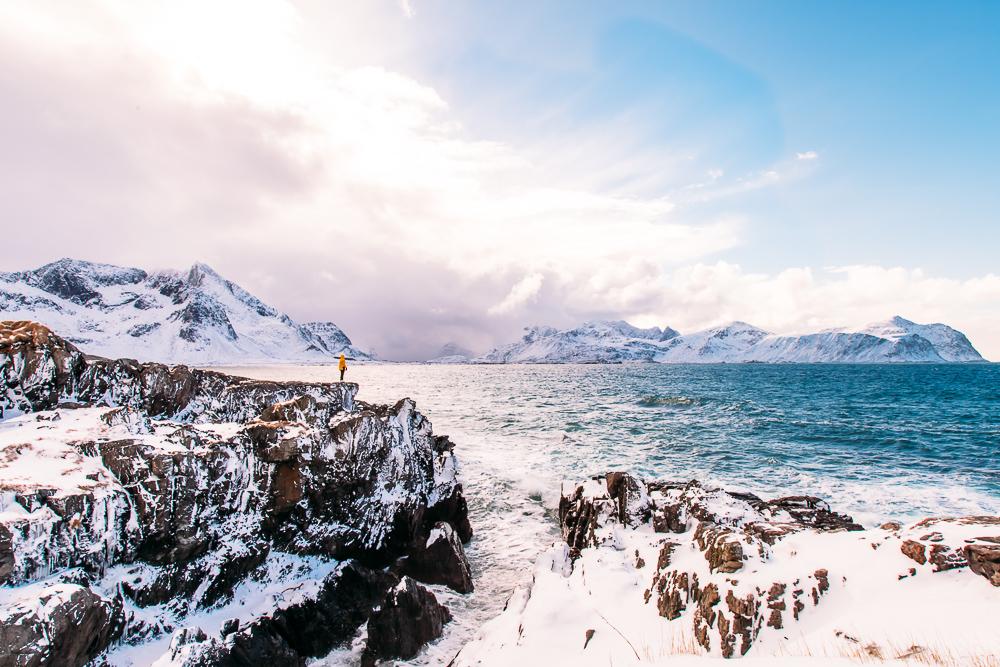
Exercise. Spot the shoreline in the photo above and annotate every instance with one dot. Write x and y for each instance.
(516, 505)
(672, 573)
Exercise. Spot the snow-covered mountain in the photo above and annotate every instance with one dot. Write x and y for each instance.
(452, 353)
(897, 340)
(194, 317)
(951, 344)
(591, 343)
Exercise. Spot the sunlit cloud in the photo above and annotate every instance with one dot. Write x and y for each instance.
(355, 192)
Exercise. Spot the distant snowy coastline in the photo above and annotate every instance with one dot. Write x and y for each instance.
(896, 340)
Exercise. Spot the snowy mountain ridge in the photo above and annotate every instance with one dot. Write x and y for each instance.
(896, 340)
(193, 317)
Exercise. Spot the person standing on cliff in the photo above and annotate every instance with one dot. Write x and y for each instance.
(342, 366)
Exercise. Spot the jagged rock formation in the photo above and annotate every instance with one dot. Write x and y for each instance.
(141, 495)
(659, 568)
(897, 340)
(195, 316)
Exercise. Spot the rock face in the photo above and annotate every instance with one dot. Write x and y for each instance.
(408, 618)
(441, 561)
(730, 531)
(57, 624)
(897, 340)
(185, 490)
(195, 316)
(653, 569)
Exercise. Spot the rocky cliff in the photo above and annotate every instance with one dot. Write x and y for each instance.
(653, 570)
(147, 509)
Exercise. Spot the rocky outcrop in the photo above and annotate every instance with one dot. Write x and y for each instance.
(57, 624)
(408, 618)
(441, 560)
(927, 544)
(660, 568)
(984, 560)
(177, 487)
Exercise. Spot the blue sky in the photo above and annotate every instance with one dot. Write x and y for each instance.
(422, 171)
(899, 100)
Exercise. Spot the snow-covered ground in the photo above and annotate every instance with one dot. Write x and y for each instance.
(814, 596)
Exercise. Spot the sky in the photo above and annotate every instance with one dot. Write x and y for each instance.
(423, 172)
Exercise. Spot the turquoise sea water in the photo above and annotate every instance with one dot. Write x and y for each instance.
(877, 441)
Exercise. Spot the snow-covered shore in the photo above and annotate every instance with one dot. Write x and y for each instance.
(681, 574)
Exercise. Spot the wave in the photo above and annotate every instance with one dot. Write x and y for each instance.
(659, 401)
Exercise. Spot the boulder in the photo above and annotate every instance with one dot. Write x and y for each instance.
(984, 560)
(57, 624)
(409, 617)
(440, 559)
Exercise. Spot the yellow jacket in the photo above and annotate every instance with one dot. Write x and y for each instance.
(343, 363)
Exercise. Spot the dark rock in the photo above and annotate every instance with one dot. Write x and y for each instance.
(984, 560)
(577, 517)
(814, 512)
(945, 558)
(453, 509)
(914, 550)
(258, 644)
(409, 617)
(630, 497)
(6, 554)
(229, 627)
(723, 551)
(440, 559)
(313, 627)
(78, 625)
(669, 519)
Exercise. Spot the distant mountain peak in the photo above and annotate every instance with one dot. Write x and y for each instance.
(196, 317)
(896, 340)
(900, 321)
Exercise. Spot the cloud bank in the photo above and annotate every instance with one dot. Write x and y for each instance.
(144, 135)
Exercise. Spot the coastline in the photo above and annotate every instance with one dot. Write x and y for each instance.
(506, 554)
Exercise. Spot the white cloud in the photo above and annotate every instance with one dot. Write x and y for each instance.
(351, 192)
(523, 291)
(407, 7)
(807, 155)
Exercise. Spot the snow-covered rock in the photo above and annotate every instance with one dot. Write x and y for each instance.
(172, 497)
(898, 340)
(195, 316)
(664, 572)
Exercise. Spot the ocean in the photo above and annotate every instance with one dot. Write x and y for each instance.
(878, 442)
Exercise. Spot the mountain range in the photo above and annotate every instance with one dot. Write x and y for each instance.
(194, 316)
(199, 317)
(896, 340)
